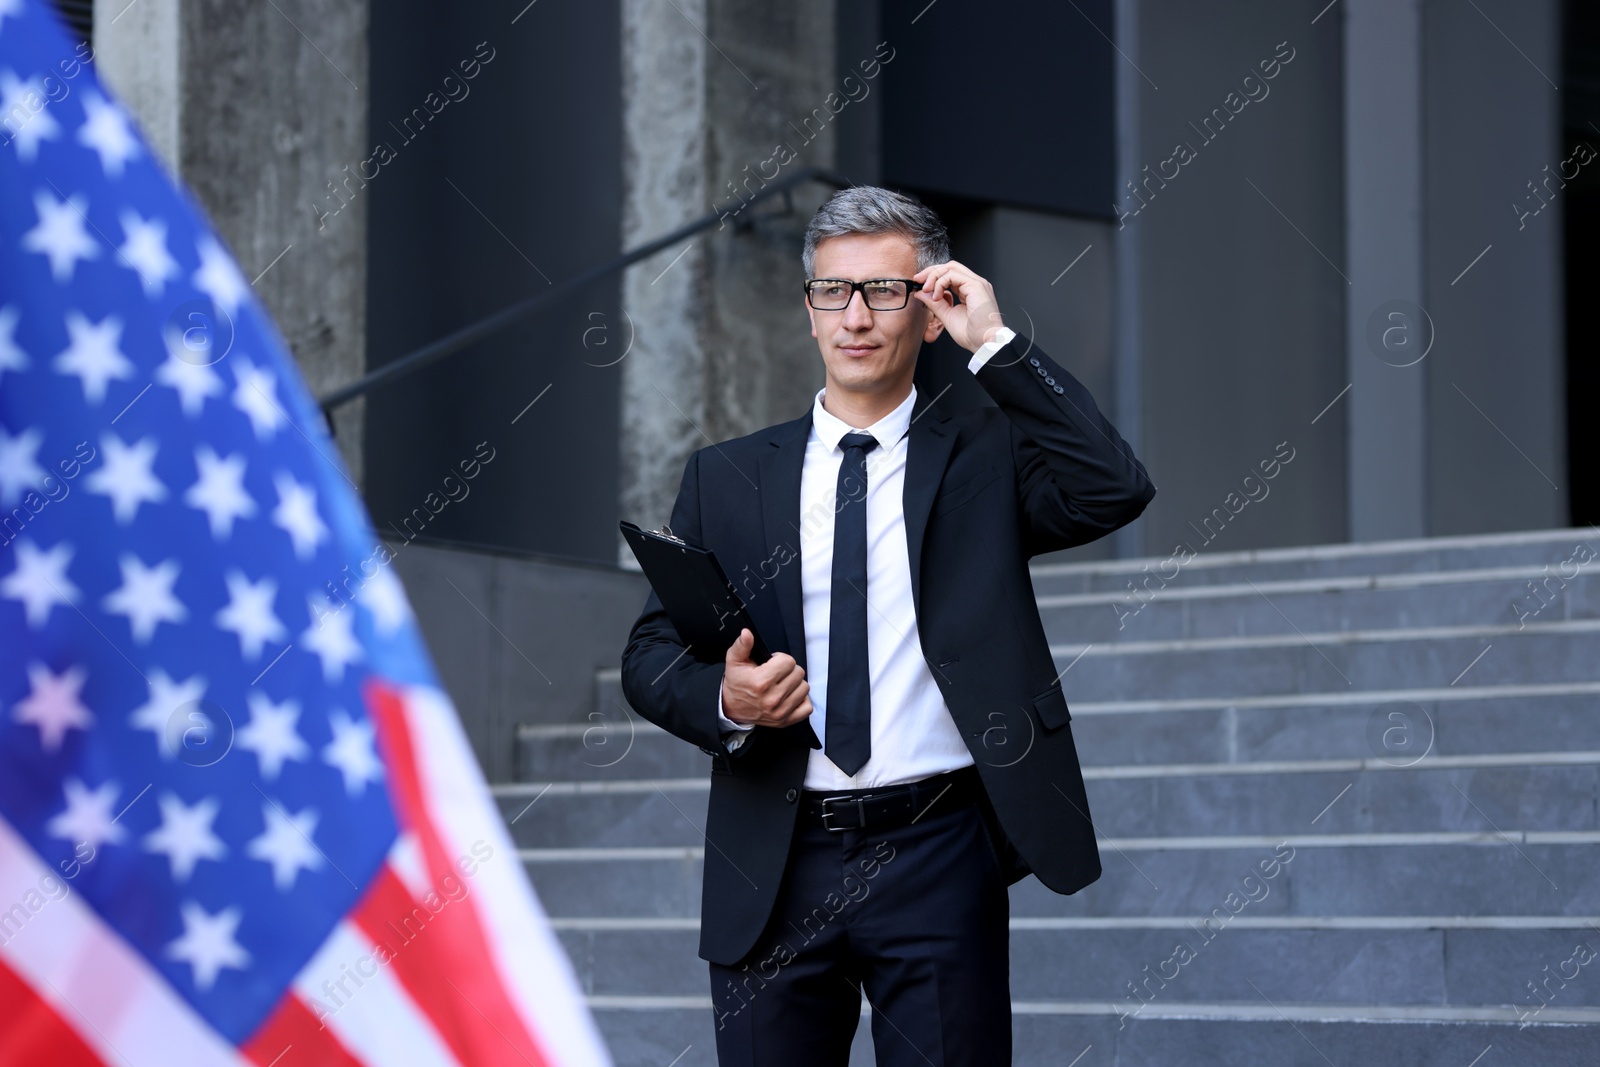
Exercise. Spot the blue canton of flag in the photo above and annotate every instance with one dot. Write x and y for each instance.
(188, 744)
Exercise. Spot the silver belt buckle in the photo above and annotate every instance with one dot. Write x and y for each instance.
(827, 813)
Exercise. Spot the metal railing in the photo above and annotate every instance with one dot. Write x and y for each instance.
(451, 343)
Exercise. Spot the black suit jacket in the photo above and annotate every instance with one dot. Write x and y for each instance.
(984, 492)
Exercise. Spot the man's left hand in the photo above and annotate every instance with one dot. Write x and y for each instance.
(972, 322)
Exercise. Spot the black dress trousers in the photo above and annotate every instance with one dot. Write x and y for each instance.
(916, 915)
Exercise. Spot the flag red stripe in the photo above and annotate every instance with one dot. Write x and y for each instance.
(32, 1033)
(447, 965)
(292, 1037)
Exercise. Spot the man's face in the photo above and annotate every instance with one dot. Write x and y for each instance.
(863, 350)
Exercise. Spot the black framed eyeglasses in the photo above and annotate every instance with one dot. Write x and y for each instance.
(881, 294)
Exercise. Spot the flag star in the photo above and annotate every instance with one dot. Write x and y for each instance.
(188, 373)
(88, 819)
(286, 845)
(220, 491)
(296, 514)
(93, 355)
(125, 476)
(11, 357)
(271, 735)
(254, 396)
(185, 835)
(166, 698)
(19, 464)
(249, 613)
(145, 596)
(53, 705)
(40, 580)
(37, 123)
(60, 235)
(329, 636)
(145, 250)
(217, 277)
(106, 130)
(385, 598)
(208, 943)
(352, 752)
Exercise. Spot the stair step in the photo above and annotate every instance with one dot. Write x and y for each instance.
(1581, 923)
(1487, 874)
(616, 743)
(1360, 602)
(1397, 727)
(1144, 801)
(1318, 661)
(680, 1032)
(1134, 969)
(1533, 548)
(1459, 720)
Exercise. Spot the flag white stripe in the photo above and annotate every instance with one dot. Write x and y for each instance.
(372, 1017)
(526, 953)
(122, 1007)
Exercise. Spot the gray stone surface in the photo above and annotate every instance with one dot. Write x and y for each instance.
(257, 117)
(1329, 664)
(1496, 878)
(1218, 564)
(709, 91)
(653, 1039)
(518, 640)
(138, 52)
(614, 744)
(1195, 1043)
(1146, 615)
(1389, 801)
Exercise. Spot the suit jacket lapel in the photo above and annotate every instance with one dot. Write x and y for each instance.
(780, 523)
(927, 455)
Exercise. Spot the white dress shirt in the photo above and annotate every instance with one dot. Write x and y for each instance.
(913, 734)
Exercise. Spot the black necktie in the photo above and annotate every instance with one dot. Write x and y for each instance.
(849, 709)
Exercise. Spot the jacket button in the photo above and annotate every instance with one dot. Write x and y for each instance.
(1043, 372)
(792, 795)
(1033, 361)
(1049, 380)
(1060, 390)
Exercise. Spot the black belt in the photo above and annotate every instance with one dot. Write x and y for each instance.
(895, 805)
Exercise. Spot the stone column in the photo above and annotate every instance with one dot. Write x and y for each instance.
(1387, 332)
(258, 107)
(717, 95)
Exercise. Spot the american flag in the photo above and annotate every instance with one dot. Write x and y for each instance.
(239, 821)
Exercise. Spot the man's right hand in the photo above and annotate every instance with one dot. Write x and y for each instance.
(773, 693)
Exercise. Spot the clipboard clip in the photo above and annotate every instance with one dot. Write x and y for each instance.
(666, 531)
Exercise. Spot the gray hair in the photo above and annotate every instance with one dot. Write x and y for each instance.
(869, 209)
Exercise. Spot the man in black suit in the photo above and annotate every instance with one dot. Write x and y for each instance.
(882, 549)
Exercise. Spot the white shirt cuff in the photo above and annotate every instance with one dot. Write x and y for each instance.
(742, 729)
(981, 356)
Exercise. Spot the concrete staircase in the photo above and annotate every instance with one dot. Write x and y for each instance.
(1405, 735)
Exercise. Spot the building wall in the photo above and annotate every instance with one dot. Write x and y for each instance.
(517, 639)
(1241, 299)
(1496, 377)
(498, 165)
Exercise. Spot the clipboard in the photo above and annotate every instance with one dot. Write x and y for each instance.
(703, 605)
